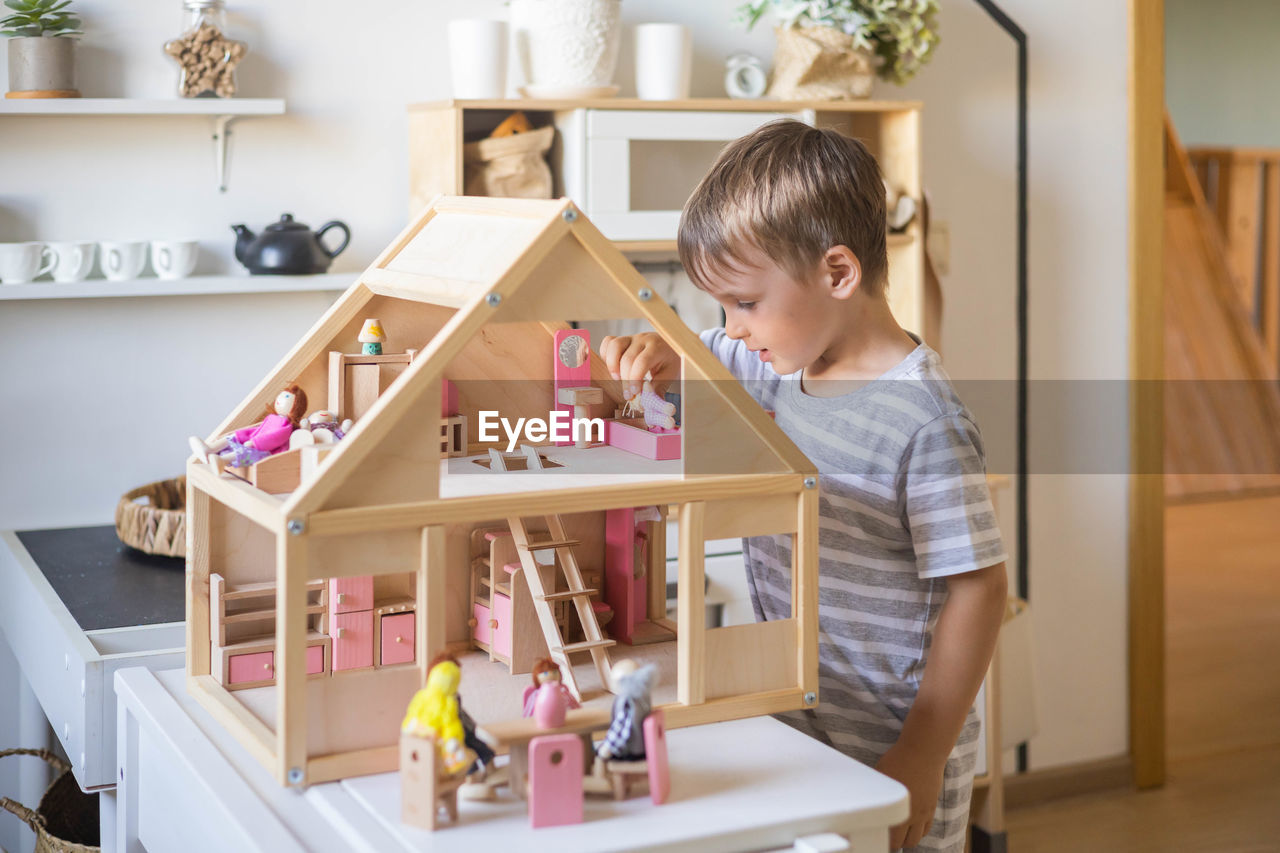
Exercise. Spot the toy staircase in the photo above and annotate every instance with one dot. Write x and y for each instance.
(595, 641)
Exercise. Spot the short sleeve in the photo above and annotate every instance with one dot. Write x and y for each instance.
(948, 507)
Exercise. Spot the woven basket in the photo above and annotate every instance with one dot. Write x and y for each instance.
(158, 525)
(67, 819)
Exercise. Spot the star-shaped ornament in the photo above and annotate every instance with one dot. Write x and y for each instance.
(208, 61)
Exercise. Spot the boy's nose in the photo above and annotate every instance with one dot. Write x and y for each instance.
(734, 330)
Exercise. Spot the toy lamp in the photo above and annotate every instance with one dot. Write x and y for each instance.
(372, 336)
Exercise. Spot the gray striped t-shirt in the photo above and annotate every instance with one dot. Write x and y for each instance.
(903, 503)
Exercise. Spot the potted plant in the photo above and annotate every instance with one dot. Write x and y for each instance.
(41, 50)
(567, 48)
(832, 49)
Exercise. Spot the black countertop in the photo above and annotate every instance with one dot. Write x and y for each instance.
(105, 583)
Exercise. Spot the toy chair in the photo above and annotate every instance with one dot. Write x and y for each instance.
(425, 787)
(555, 780)
(653, 767)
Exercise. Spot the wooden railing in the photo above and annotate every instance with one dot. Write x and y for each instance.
(1242, 188)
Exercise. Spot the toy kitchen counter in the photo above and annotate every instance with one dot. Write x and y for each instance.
(752, 784)
(75, 606)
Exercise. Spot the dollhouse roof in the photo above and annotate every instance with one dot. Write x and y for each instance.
(508, 271)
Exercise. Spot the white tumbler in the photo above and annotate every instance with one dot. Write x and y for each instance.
(664, 61)
(478, 58)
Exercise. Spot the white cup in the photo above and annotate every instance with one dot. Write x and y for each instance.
(122, 260)
(21, 262)
(72, 261)
(478, 58)
(173, 258)
(664, 61)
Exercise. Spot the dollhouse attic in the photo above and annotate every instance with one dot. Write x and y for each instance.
(322, 581)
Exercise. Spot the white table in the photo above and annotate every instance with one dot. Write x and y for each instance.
(754, 784)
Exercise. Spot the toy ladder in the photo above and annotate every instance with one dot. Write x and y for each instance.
(595, 641)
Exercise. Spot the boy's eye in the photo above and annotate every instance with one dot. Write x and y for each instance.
(746, 306)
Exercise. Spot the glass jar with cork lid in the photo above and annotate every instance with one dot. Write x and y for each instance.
(206, 58)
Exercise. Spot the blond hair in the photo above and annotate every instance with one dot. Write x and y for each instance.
(792, 192)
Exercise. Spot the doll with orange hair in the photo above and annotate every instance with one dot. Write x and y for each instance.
(255, 443)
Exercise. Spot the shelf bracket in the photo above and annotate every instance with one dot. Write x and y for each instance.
(221, 134)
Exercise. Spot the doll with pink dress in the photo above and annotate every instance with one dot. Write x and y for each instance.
(254, 443)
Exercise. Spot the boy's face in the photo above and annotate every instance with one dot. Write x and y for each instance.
(789, 323)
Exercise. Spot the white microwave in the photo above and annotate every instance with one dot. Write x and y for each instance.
(631, 171)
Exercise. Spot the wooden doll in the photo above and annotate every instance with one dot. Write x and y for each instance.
(435, 711)
(631, 688)
(255, 443)
(548, 697)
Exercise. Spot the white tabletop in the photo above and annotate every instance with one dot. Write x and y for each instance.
(741, 785)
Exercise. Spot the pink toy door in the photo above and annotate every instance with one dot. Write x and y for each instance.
(352, 640)
(655, 754)
(246, 669)
(625, 564)
(572, 363)
(397, 639)
(315, 660)
(501, 638)
(348, 594)
(555, 780)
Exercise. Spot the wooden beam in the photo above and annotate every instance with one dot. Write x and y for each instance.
(565, 502)
(237, 495)
(360, 762)
(804, 580)
(1146, 400)
(430, 595)
(291, 658)
(691, 640)
(253, 734)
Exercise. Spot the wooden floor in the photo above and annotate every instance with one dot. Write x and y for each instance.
(1223, 671)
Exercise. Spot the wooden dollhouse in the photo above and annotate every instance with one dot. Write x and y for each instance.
(316, 598)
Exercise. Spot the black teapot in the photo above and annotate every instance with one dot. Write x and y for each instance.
(287, 248)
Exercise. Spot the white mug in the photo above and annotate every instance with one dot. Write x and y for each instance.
(478, 58)
(21, 262)
(173, 258)
(72, 261)
(121, 260)
(664, 61)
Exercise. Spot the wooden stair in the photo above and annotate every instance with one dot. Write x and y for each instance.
(595, 643)
(1222, 404)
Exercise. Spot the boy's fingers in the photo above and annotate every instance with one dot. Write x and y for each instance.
(609, 354)
(897, 835)
(625, 371)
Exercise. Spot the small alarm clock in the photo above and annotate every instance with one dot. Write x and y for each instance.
(744, 76)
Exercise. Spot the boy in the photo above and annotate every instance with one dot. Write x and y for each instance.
(787, 232)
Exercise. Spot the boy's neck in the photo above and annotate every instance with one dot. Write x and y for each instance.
(872, 344)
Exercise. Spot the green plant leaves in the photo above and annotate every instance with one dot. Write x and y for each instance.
(34, 18)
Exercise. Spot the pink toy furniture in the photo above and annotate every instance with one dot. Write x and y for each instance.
(655, 748)
(631, 435)
(555, 780)
(572, 367)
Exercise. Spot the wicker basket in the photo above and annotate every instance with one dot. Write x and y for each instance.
(67, 819)
(158, 525)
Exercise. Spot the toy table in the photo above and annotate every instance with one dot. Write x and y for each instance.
(743, 785)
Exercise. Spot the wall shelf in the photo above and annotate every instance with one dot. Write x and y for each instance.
(142, 106)
(223, 111)
(201, 285)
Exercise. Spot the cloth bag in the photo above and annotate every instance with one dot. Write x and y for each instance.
(509, 166)
(819, 64)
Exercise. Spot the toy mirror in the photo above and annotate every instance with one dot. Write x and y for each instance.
(573, 351)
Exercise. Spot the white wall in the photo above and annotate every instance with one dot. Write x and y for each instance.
(1221, 70)
(137, 375)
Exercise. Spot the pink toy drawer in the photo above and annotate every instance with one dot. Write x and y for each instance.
(348, 594)
(243, 669)
(315, 660)
(482, 632)
(501, 641)
(397, 638)
(352, 635)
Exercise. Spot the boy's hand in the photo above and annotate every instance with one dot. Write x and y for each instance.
(923, 779)
(630, 357)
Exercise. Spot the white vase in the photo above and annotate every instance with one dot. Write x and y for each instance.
(567, 48)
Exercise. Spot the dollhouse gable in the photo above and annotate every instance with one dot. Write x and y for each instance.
(478, 287)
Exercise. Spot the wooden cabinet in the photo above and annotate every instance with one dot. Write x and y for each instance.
(504, 622)
(630, 164)
(243, 637)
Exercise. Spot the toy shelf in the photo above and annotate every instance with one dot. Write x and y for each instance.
(200, 285)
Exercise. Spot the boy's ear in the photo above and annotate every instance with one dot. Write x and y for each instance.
(842, 271)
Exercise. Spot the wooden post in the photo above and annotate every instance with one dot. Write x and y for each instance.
(198, 637)
(430, 598)
(291, 658)
(804, 585)
(691, 638)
